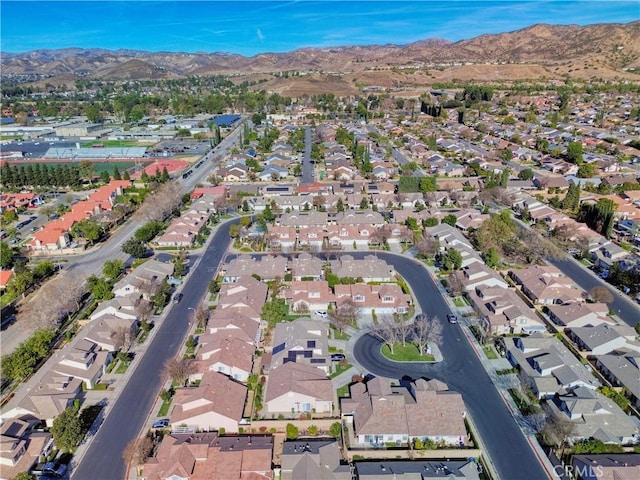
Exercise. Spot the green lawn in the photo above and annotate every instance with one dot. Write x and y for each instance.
(122, 367)
(164, 409)
(406, 353)
(337, 335)
(339, 368)
(343, 391)
(459, 302)
(490, 353)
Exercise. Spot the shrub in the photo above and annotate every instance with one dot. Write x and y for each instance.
(292, 431)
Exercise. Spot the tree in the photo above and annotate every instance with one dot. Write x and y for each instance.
(452, 259)
(275, 311)
(134, 247)
(574, 153)
(601, 294)
(525, 174)
(427, 247)
(426, 331)
(572, 198)
(386, 331)
(201, 316)
(491, 258)
(6, 255)
(67, 430)
(116, 173)
(88, 228)
(455, 285)
(105, 177)
(292, 431)
(335, 429)
(112, 268)
(180, 369)
(587, 170)
(450, 219)
(148, 231)
(346, 313)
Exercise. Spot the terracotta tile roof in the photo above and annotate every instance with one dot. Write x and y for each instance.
(5, 276)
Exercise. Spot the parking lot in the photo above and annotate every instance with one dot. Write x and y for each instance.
(185, 146)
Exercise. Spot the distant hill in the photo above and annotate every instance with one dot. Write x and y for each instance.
(551, 51)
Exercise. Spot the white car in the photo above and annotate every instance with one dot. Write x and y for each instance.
(321, 313)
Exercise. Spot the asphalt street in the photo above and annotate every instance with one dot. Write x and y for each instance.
(103, 459)
(461, 369)
(307, 166)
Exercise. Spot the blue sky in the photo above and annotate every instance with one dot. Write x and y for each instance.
(252, 27)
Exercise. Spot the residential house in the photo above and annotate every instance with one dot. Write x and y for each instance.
(478, 274)
(85, 361)
(546, 365)
(5, 276)
(313, 459)
(580, 314)
(265, 267)
(273, 173)
(225, 353)
(218, 402)
(360, 217)
(110, 333)
(144, 280)
(246, 292)
(47, 399)
(303, 219)
(603, 339)
(369, 269)
(294, 388)
(608, 254)
(307, 295)
(380, 414)
(622, 370)
(594, 416)
(547, 285)
(501, 310)
(312, 238)
(385, 299)
(302, 341)
(199, 456)
(21, 447)
(235, 173)
(241, 322)
(283, 238)
(307, 266)
(606, 466)
(416, 469)
(121, 307)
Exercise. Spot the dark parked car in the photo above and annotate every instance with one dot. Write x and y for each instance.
(177, 298)
(336, 357)
(452, 318)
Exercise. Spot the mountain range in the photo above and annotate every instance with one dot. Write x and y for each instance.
(604, 51)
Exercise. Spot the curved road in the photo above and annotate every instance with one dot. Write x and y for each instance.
(103, 459)
(461, 369)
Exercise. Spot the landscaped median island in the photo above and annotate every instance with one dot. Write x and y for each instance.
(405, 353)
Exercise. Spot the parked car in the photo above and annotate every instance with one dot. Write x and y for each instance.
(321, 313)
(451, 318)
(177, 298)
(162, 423)
(336, 357)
